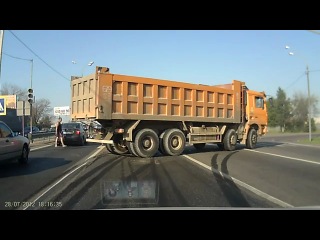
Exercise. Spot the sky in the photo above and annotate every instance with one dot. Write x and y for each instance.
(211, 57)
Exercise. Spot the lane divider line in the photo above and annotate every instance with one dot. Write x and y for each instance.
(282, 156)
(65, 176)
(242, 184)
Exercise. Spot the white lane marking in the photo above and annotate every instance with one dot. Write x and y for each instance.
(302, 145)
(242, 184)
(282, 156)
(65, 176)
(32, 149)
(96, 153)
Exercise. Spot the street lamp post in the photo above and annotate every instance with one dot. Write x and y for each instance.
(89, 64)
(309, 99)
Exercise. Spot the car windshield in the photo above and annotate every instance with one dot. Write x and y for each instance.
(160, 119)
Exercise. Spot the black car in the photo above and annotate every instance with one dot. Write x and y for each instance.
(74, 132)
(27, 130)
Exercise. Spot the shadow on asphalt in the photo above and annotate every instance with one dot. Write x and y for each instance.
(12, 168)
(209, 148)
(215, 148)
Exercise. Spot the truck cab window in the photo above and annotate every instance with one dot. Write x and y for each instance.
(259, 102)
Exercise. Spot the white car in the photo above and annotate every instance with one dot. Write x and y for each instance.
(13, 146)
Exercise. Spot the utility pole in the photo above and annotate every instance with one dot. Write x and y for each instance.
(1, 41)
(309, 99)
(309, 105)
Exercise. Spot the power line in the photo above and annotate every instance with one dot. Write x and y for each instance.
(16, 57)
(295, 81)
(38, 56)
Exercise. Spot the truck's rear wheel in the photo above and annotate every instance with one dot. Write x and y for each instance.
(230, 140)
(173, 142)
(146, 143)
(199, 146)
(161, 149)
(110, 148)
(120, 148)
(118, 145)
(252, 138)
(131, 149)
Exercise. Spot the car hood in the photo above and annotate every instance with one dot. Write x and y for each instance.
(22, 139)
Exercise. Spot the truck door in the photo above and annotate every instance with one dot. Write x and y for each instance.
(256, 108)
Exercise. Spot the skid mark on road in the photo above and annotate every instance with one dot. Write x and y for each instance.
(242, 184)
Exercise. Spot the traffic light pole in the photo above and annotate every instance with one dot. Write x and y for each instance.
(31, 100)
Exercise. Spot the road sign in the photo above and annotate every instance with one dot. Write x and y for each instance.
(3, 106)
(23, 108)
(60, 111)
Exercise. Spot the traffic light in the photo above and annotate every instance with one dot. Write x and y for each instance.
(30, 95)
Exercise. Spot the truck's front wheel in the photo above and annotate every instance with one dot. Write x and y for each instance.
(252, 138)
(230, 140)
(146, 143)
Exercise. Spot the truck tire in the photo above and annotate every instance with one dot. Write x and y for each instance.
(230, 140)
(252, 138)
(199, 146)
(161, 149)
(119, 148)
(110, 148)
(131, 149)
(146, 143)
(173, 141)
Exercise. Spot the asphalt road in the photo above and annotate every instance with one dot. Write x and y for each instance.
(18, 183)
(279, 173)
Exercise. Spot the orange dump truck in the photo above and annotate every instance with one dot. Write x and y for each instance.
(143, 115)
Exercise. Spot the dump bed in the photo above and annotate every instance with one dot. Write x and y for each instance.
(103, 95)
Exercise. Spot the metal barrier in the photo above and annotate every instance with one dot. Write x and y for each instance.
(41, 136)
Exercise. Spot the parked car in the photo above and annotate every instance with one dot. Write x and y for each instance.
(13, 146)
(95, 128)
(74, 132)
(27, 130)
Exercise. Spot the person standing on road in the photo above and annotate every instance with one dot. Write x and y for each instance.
(59, 133)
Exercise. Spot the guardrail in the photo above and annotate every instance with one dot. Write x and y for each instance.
(41, 136)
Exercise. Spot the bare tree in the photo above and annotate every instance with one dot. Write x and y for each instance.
(41, 109)
(300, 105)
(299, 119)
(11, 89)
(46, 121)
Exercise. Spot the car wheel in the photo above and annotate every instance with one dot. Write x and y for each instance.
(24, 155)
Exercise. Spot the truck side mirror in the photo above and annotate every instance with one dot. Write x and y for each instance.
(271, 101)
